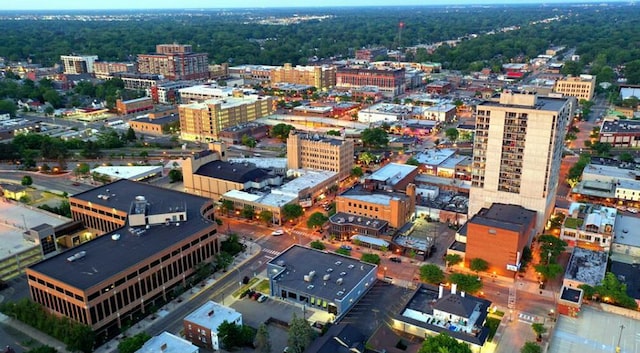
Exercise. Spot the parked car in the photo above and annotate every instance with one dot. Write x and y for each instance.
(346, 247)
(632, 210)
(277, 232)
(395, 259)
(262, 298)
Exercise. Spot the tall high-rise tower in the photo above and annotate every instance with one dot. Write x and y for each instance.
(517, 152)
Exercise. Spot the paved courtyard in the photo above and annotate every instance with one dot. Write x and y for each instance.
(595, 332)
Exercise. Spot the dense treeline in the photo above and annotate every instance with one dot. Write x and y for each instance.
(234, 37)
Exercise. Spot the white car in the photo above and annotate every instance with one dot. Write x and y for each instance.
(277, 232)
(262, 298)
(632, 210)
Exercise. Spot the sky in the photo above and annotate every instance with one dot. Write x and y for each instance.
(164, 4)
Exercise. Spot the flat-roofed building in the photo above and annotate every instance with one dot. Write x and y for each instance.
(201, 325)
(498, 235)
(315, 151)
(201, 93)
(204, 121)
(134, 105)
(106, 282)
(585, 267)
(78, 64)
(432, 310)
(393, 207)
(138, 81)
(626, 245)
(168, 343)
(321, 77)
(346, 225)
(581, 87)
(320, 280)
(260, 73)
(620, 133)
(390, 81)
(589, 226)
(154, 126)
(391, 177)
(104, 69)
(175, 62)
(509, 164)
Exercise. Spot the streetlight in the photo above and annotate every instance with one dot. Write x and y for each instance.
(619, 338)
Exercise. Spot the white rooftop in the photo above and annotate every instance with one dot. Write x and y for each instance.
(14, 217)
(380, 199)
(168, 343)
(126, 172)
(305, 179)
(226, 103)
(625, 231)
(435, 156)
(241, 195)
(441, 107)
(212, 314)
(606, 173)
(278, 163)
(627, 92)
(371, 240)
(392, 173)
(208, 90)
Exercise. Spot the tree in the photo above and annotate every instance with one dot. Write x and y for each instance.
(531, 347)
(281, 131)
(266, 216)
(175, 175)
(343, 251)
(262, 341)
(130, 135)
(551, 247)
(357, 172)
(300, 334)
(626, 157)
(292, 211)
(227, 206)
(248, 141)
(317, 219)
(8, 106)
(366, 158)
(539, 330)
(467, 283)
(49, 110)
(317, 244)
(431, 273)
(452, 134)
(333, 133)
(573, 68)
(43, 349)
(612, 291)
(549, 271)
(133, 343)
(443, 343)
(223, 259)
(632, 72)
(26, 180)
(374, 137)
(231, 334)
(370, 258)
(452, 259)
(478, 265)
(248, 212)
(412, 161)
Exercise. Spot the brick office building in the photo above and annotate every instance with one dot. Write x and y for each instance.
(122, 274)
(498, 234)
(175, 62)
(390, 81)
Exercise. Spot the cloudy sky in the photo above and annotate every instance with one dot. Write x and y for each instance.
(164, 4)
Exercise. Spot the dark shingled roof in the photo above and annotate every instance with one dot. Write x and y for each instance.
(235, 172)
(456, 305)
(336, 338)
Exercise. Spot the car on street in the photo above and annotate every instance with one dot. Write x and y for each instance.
(277, 232)
(632, 210)
(346, 247)
(395, 259)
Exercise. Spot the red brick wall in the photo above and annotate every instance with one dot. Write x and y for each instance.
(497, 246)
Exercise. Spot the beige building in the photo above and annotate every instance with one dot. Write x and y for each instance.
(517, 152)
(393, 207)
(204, 121)
(78, 64)
(320, 152)
(321, 77)
(581, 87)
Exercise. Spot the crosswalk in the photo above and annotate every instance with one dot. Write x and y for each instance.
(271, 252)
(527, 319)
(299, 233)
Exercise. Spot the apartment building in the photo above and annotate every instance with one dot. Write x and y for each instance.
(517, 152)
(104, 69)
(175, 62)
(581, 87)
(390, 81)
(204, 121)
(106, 282)
(201, 325)
(320, 152)
(78, 64)
(320, 77)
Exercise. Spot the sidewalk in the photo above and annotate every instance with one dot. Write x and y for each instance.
(33, 333)
(253, 249)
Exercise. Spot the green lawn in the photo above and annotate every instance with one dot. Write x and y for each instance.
(573, 223)
(263, 286)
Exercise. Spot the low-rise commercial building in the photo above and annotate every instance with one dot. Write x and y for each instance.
(320, 280)
(123, 274)
(393, 207)
(134, 105)
(433, 310)
(620, 133)
(201, 325)
(589, 226)
(154, 126)
(585, 267)
(168, 343)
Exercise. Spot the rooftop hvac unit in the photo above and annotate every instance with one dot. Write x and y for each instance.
(77, 256)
